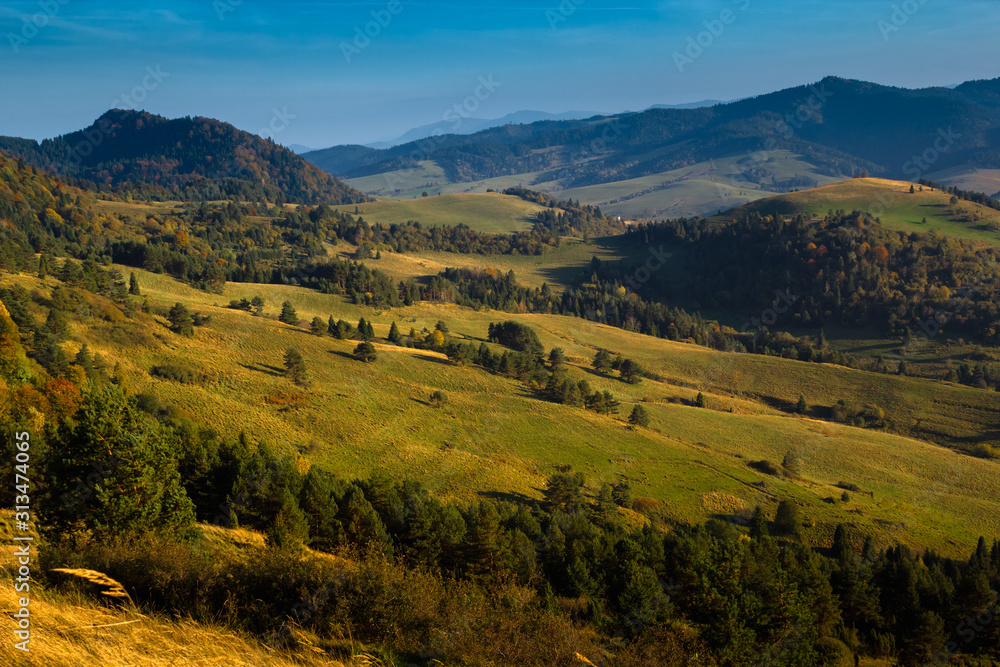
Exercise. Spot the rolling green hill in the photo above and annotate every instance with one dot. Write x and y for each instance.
(494, 436)
(892, 203)
(190, 158)
(837, 128)
(492, 213)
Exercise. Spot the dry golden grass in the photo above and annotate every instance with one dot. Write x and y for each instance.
(74, 631)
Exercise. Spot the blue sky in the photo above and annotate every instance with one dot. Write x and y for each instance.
(64, 62)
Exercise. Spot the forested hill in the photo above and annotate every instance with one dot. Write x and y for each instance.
(188, 158)
(841, 126)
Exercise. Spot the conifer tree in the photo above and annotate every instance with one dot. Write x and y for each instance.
(295, 366)
(180, 320)
(394, 336)
(288, 314)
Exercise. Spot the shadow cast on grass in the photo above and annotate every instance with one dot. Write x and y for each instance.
(266, 369)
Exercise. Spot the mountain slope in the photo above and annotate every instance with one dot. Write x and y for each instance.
(926, 209)
(194, 158)
(839, 127)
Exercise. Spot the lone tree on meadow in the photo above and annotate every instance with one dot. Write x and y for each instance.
(288, 314)
(438, 399)
(801, 406)
(699, 401)
(295, 366)
(180, 320)
(394, 336)
(630, 371)
(365, 352)
(257, 303)
(602, 361)
(639, 417)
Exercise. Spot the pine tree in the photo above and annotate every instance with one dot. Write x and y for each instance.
(288, 314)
(557, 358)
(758, 524)
(394, 336)
(639, 417)
(257, 303)
(133, 284)
(85, 361)
(318, 327)
(365, 352)
(295, 366)
(602, 361)
(787, 520)
(630, 371)
(801, 407)
(180, 320)
(139, 489)
(699, 400)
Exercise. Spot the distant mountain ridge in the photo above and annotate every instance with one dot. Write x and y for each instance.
(196, 158)
(840, 126)
(460, 125)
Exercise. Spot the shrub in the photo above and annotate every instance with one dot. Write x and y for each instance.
(438, 399)
(179, 373)
(767, 467)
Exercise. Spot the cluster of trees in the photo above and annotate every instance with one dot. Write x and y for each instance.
(630, 371)
(847, 269)
(742, 596)
(126, 466)
(967, 195)
(525, 362)
(573, 220)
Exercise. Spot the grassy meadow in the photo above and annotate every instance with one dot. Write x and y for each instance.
(487, 212)
(495, 437)
(892, 202)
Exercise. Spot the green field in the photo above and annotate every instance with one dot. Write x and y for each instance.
(699, 189)
(487, 212)
(560, 267)
(495, 436)
(428, 177)
(892, 203)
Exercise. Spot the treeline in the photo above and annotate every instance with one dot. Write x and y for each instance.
(967, 195)
(208, 244)
(573, 555)
(126, 477)
(573, 219)
(131, 152)
(845, 269)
